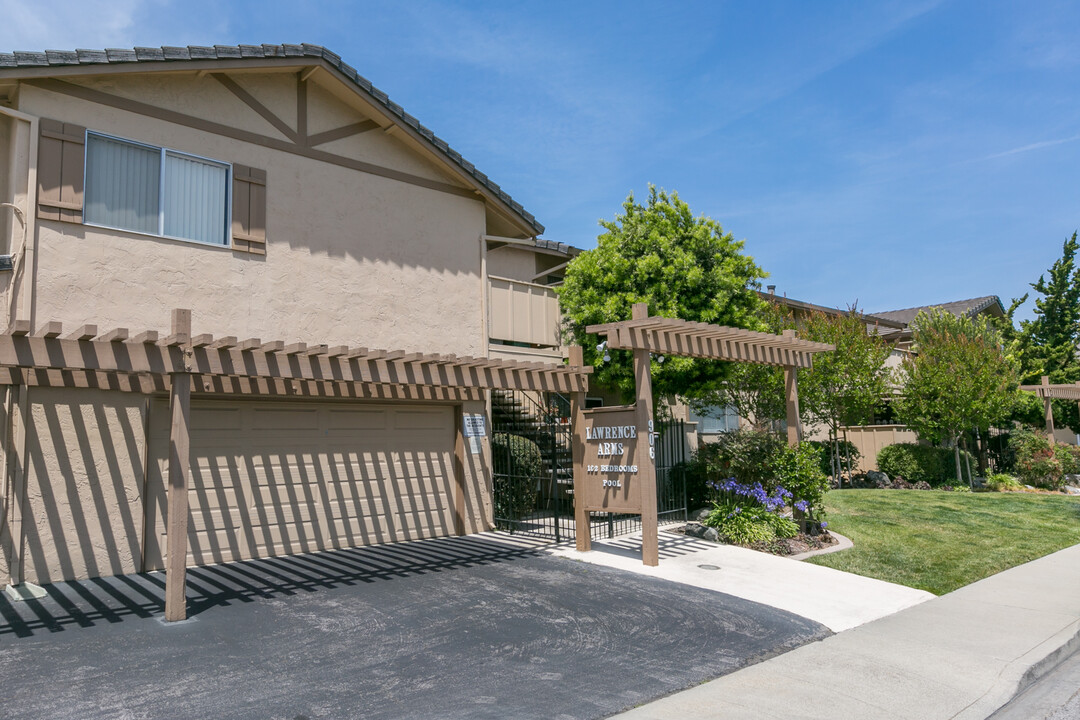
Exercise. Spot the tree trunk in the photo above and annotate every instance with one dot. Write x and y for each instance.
(847, 455)
(967, 461)
(834, 458)
(956, 454)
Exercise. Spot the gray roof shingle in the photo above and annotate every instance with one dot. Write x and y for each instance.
(974, 306)
(20, 59)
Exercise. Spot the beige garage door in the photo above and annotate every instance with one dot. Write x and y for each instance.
(277, 479)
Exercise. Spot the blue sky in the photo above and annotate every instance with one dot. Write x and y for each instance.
(890, 153)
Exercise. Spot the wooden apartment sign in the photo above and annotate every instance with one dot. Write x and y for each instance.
(615, 449)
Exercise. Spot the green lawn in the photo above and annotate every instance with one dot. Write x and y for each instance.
(940, 541)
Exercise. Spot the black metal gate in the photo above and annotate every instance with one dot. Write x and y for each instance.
(533, 469)
(533, 466)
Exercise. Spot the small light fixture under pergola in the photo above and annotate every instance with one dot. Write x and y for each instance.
(612, 471)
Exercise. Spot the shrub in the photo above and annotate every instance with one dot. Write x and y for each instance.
(846, 447)
(1069, 457)
(745, 455)
(921, 463)
(799, 470)
(1002, 483)
(1036, 462)
(517, 465)
(746, 524)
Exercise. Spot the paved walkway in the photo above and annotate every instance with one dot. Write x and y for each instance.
(962, 655)
(837, 600)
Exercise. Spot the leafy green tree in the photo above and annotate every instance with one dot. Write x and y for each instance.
(681, 265)
(958, 379)
(844, 387)
(1047, 344)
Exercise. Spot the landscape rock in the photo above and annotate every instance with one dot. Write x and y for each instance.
(711, 535)
(1072, 490)
(877, 477)
(921, 485)
(696, 530)
(978, 482)
(699, 515)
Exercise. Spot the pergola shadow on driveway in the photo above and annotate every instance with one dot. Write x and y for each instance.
(473, 627)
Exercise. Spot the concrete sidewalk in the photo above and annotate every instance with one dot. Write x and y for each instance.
(838, 600)
(962, 655)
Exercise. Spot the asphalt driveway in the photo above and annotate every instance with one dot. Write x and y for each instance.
(476, 627)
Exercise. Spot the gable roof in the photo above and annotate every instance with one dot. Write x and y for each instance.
(239, 53)
(876, 319)
(973, 306)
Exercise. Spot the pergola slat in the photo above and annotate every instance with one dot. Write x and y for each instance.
(86, 332)
(116, 353)
(148, 337)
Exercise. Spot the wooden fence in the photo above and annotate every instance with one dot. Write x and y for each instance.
(869, 439)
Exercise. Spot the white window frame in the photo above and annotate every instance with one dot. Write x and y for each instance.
(226, 230)
(727, 412)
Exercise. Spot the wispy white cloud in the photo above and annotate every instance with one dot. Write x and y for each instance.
(67, 24)
(1033, 146)
(95, 24)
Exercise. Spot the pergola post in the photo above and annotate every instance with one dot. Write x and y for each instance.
(179, 462)
(1048, 409)
(650, 550)
(791, 394)
(1077, 383)
(683, 338)
(582, 535)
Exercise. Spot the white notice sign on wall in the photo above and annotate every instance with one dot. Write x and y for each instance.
(474, 425)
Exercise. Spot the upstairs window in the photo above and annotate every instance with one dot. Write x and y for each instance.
(153, 190)
(716, 419)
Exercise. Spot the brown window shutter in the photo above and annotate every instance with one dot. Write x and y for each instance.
(249, 210)
(61, 157)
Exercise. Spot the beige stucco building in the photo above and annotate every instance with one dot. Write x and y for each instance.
(278, 196)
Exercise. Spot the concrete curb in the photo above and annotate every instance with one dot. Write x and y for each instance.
(1024, 672)
(842, 543)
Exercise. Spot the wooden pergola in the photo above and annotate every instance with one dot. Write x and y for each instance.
(1049, 392)
(183, 364)
(646, 336)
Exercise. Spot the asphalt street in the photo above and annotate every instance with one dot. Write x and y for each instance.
(473, 627)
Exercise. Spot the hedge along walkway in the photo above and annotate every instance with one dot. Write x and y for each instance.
(940, 541)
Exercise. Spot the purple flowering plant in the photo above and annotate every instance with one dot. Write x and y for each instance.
(733, 490)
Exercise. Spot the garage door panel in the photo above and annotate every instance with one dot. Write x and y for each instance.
(271, 479)
(212, 519)
(206, 420)
(310, 537)
(406, 420)
(214, 546)
(210, 497)
(277, 420)
(342, 420)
